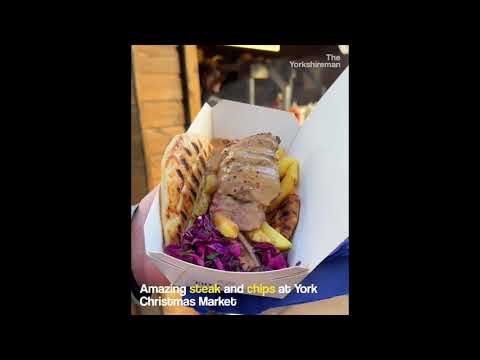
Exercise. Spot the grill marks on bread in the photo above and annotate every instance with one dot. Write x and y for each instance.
(182, 174)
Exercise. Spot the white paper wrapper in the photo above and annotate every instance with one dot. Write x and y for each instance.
(321, 145)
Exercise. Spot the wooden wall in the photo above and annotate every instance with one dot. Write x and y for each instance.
(159, 94)
(193, 80)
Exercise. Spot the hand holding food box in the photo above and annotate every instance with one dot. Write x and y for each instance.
(258, 201)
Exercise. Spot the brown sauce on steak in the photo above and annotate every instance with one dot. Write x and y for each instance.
(216, 156)
(247, 172)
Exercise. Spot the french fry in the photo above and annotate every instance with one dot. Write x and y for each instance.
(276, 239)
(258, 236)
(284, 164)
(287, 186)
(211, 183)
(267, 234)
(292, 171)
(280, 153)
(226, 226)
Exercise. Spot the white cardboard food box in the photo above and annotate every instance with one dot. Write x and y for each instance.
(321, 145)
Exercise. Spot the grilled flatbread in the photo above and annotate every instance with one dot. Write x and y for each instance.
(285, 218)
(183, 167)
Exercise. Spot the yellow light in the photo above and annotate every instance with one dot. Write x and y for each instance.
(343, 49)
(275, 48)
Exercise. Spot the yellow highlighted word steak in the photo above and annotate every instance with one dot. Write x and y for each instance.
(203, 289)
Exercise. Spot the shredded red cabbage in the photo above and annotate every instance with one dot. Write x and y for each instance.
(270, 257)
(202, 244)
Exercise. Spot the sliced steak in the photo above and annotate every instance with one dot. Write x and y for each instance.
(249, 169)
(247, 215)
